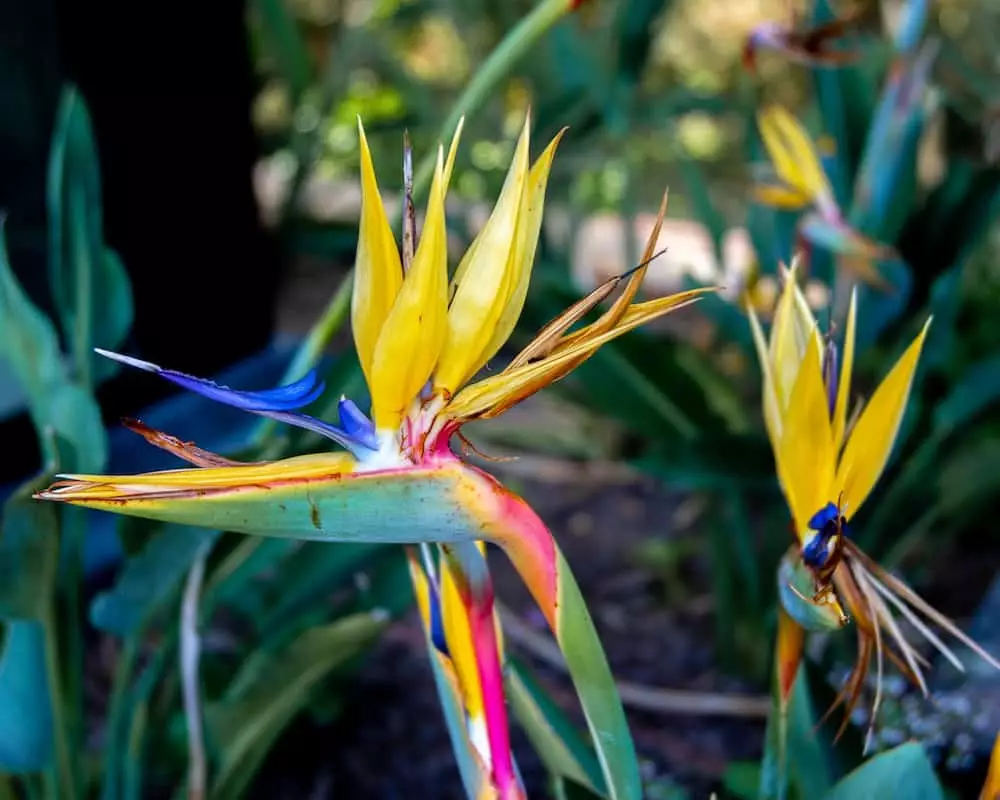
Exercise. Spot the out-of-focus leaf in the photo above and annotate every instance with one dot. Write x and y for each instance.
(67, 417)
(285, 42)
(89, 283)
(560, 746)
(977, 390)
(243, 728)
(308, 575)
(877, 308)
(148, 579)
(945, 301)
(29, 549)
(25, 709)
(904, 771)
(712, 461)
(741, 779)
(697, 194)
(846, 97)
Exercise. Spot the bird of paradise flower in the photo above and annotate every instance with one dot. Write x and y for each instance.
(421, 340)
(827, 465)
(802, 184)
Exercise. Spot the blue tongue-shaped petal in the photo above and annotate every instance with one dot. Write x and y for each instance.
(285, 398)
(355, 423)
(279, 404)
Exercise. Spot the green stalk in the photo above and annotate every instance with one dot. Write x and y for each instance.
(74, 529)
(512, 48)
(498, 64)
(65, 784)
(115, 723)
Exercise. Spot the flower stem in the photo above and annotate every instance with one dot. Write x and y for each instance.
(64, 778)
(190, 654)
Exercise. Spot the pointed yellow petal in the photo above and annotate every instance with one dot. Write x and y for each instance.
(782, 197)
(458, 634)
(534, 206)
(791, 330)
(491, 396)
(991, 788)
(806, 457)
(487, 277)
(793, 153)
(413, 334)
(772, 409)
(378, 271)
(871, 440)
(844, 383)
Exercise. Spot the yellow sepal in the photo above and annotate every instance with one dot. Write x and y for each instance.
(378, 271)
(870, 443)
(487, 273)
(413, 334)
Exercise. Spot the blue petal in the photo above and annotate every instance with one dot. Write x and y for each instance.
(355, 423)
(437, 621)
(824, 516)
(815, 551)
(278, 404)
(284, 398)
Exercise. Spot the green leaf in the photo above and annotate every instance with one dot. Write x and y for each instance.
(89, 283)
(560, 746)
(596, 688)
(67, 417)
(29, 553)
(148, 579)
(741, 779)
(281, 32)
(25, 710)
(243, 728)
(877, 308)
(904, 771)
(977, 390)
(794, 760)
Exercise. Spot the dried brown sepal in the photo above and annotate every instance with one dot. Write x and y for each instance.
(187, 451)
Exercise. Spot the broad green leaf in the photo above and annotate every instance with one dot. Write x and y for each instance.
(89, 283)
(977, 390)
(29, 552)
(67, 418)
(904, 771)
(741, 779)
(595, 687)
(877, 308)
(560, 746)
(25, 709)
(148, 579)
(945, 300)
(243, 728)
(699, 197)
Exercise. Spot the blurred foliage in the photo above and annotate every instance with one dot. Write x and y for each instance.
(654, 95)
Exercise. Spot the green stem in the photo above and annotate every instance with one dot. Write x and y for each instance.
(136, 743)
(512, 48)
(64, 782)
(498, 64)
(74, 529)
(115, 722)
(190, 658)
